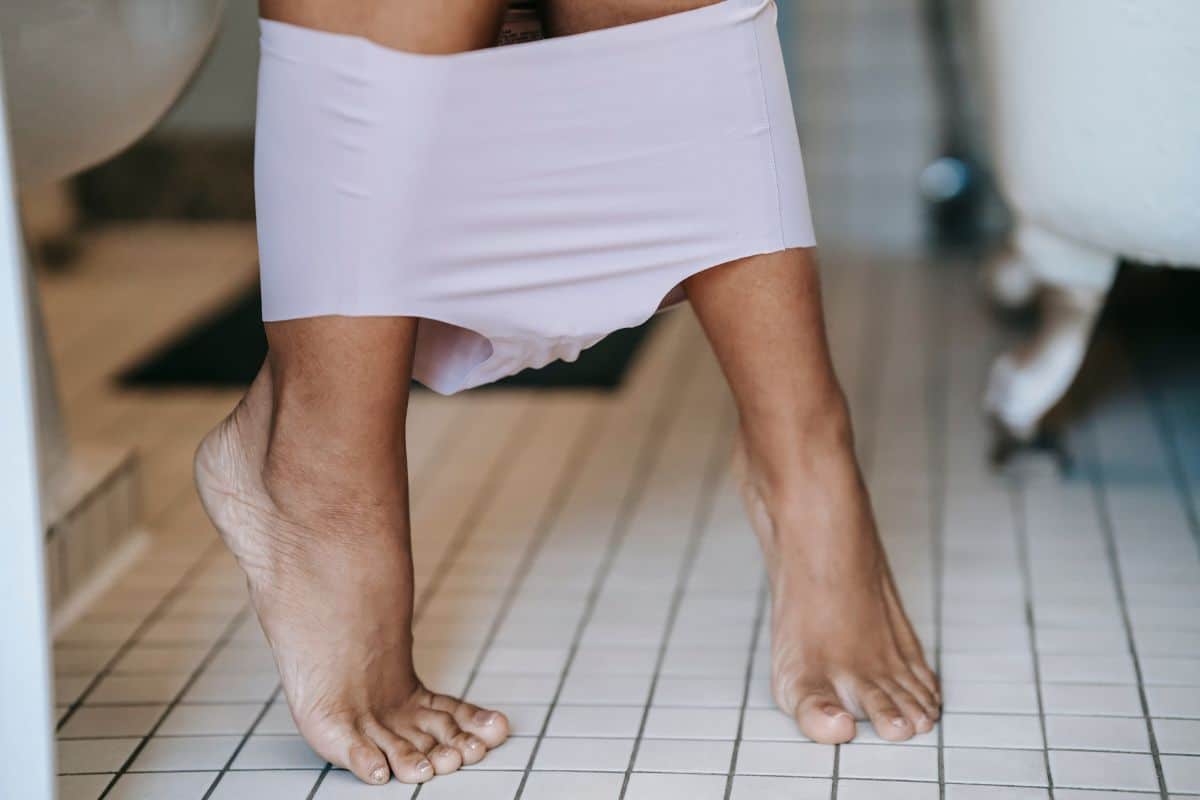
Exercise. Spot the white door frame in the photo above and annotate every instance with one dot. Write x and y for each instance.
(26, 711)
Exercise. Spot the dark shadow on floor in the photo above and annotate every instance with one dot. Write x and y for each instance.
(226, 348)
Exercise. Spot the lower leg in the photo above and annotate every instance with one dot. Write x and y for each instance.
(842, 645)
(308, 488)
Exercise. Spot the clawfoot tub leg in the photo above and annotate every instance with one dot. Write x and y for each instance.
(1027, 381)
(1010, 282)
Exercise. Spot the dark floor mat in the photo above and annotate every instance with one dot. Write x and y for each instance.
(226, 349)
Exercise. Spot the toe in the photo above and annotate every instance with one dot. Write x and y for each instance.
(415, 767)
(922, 674)
(889, 722)
(408, 762)
(823, 718)
(913, 710)
(491, 727)
(910, 646)
(438, 724)
(366, 761)
(344, 744)
(445, 759)
(929, 680)
(470, 747)
(422, 742)
(920, 692)
(441, 725)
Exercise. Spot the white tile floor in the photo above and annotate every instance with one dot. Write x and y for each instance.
(584, 565)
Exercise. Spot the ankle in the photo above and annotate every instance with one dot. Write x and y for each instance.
(307, 483)
(784, 455)
(320, 481)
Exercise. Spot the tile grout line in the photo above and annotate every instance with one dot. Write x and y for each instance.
(245, 738)
(997, 714)
(937, 384)
(582, 449)
(517, 438)
(584, 771)
(320, 780)
(1016, 496)
(701, 519)
(447, 440)
(545, 525)
(759, 614)
(870, 744)
(156, 613)
(1095, 475)
(646, 456)
(216, 647)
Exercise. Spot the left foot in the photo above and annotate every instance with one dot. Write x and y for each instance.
(329, 570)
(842, 646)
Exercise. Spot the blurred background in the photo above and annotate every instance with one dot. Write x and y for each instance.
(888, 102)
(1007, 198)
(883, 91)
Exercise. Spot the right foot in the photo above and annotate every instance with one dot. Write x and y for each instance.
(330, 576)
(842, 646)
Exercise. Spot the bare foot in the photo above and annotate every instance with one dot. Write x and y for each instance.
(330, 575)
(842, 647)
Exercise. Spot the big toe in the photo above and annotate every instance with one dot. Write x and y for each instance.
(344, 745)
(824, 719)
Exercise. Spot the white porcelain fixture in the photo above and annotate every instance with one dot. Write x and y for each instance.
(78, 82)
(86, 79)
(1094, 114)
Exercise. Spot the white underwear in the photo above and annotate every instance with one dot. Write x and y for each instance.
(522, 201)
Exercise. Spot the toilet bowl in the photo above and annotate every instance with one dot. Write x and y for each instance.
(81, 82)
(1093, 111)
(86, 79)
(78, 81)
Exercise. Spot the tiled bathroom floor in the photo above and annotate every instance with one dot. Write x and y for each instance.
(584, 566)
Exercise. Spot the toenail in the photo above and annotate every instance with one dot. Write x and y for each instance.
(380, 775)
(836, 713)
(474, 744)
(485, 717)
(899, 722)
(424, 767)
